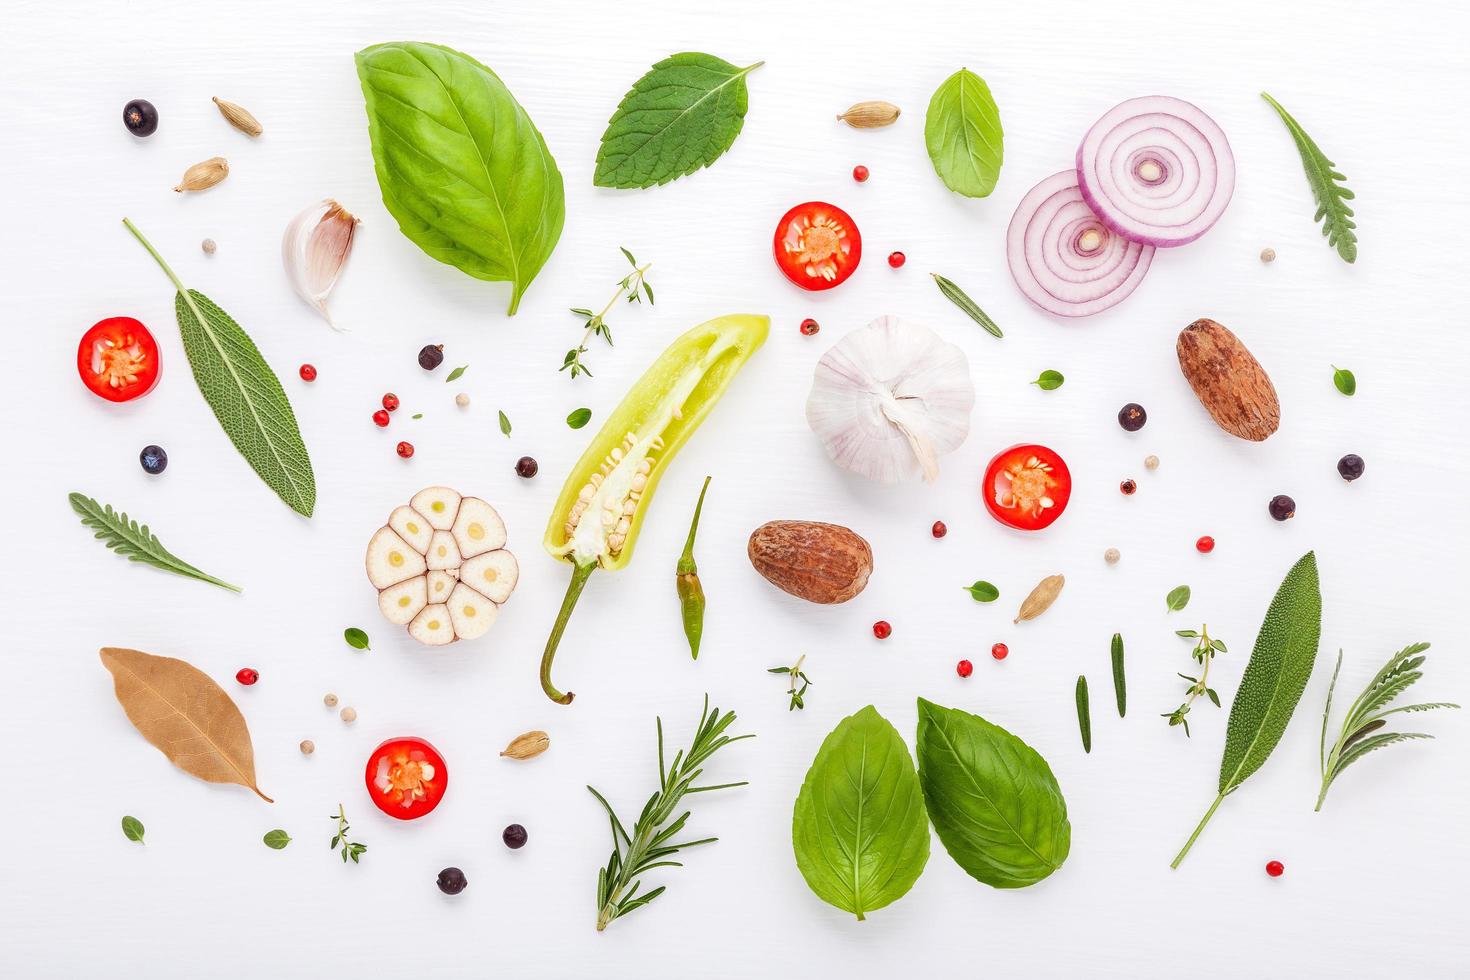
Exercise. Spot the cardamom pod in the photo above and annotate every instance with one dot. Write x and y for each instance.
(204, 175)
(239, 117)
(1041, 597)
(870, 115)
(527, 746)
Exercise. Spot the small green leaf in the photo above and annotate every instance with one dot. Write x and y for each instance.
(419, 415)
(1178, 598)
(983, 592)
(276, 839)
(132, 829)
(1049, 380)
(504, 425)
(356, 638)
(579, 418)
(963, 135)
(1344, 380)
(1191, 634)
(457, 373)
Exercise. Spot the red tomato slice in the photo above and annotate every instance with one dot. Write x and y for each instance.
(118, 359)
(406, 777)
(817, 245)
(1026, 487)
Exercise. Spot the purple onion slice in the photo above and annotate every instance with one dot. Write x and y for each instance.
(1156, 170)
(1062, 256)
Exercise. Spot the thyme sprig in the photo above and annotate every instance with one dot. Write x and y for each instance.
(350, 849)
(1203, 653)
(651, 843)
(635, 286)
(796, 674)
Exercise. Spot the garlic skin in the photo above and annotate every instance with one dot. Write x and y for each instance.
(314, 250)
(889, 399)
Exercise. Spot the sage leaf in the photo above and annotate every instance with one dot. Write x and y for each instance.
(457, 373)
(994, 802)
(132, 829)
(135, 541)
(1177, 598)
(243, 391)
(579, 418)
(1273, 682)
(858, 829)
(1084, 714)
(356, 638)
(461, 166)
(963, 134)
(968, 306)
(504, 425)
(682, 115)
(1325, 180)
(276, 839)
(1344, 381)
(983, 592)
(1049, 380)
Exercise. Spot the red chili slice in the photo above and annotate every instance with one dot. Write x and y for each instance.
(118, 359)
(817, 245)
(1027, 487)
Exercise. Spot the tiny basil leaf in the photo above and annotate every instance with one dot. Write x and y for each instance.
(276, 839)
(983, 592)
(579, 418)
(132, 829)
(1178, 598)
(1344, 380)
(356, 638)
(457, 373)
(504, 424)
(1049, 380)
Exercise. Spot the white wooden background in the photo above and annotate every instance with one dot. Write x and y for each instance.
(1374, 885)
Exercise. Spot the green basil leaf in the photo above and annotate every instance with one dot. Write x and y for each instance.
(461, 166)
(457, 373)
(994, 801)
(858, 829)
(1177, 598)
(356, 638)
(504, 425)
(680, 116)
(1049, 380)
(963, 134)
(1344, 380)
(276, 839)
(132, 829)
(983, 592)
(579, 418)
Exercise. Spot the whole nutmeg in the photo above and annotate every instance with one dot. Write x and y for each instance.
(822, 563)
(1229, 382)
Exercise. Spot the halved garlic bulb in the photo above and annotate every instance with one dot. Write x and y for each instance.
(889, 399)
(441, 568)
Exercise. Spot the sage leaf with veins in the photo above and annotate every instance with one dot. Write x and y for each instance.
(963, 134)
(243, 391)
(682, 115)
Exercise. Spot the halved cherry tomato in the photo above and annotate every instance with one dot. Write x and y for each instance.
(817, 245)
(406, 777)
(1026, 487)
(118, 359)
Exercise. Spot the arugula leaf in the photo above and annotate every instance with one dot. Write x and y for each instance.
(683, 114)
(963, 134)
(1323, 177)
(1343, 379)
(134, 541)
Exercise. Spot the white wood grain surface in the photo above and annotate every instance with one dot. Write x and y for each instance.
(1374, 885)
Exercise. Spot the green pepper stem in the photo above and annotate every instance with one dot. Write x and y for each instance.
(686, 564)
(580, 575)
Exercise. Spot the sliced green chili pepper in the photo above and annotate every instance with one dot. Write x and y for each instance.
(691, 593)
(602, 505)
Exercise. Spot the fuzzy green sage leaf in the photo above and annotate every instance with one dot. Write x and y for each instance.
(963, 135)
(983, 592)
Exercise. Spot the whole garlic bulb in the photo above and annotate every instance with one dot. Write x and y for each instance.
(889, 399)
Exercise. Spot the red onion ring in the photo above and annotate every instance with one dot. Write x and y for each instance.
(1062, 256)
(1156, 170)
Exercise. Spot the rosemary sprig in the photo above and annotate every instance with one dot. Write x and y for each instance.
(796, 674)
(635, 286)
(1365, 716)
(968, 306)
(134, 541)
(651, 843)
(1204, 654)
(350, 849)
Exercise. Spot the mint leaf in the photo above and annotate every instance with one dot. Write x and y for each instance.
(983, 592)
(276, 839)
(579, 418)
(132, 829)
(1178, 598)
(1049, 380)
(356, 638)
(1344, 380)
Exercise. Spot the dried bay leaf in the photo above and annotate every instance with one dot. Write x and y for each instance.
(186, 715)
(1041, 597)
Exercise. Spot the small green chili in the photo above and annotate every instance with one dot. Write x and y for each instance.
(691, 593)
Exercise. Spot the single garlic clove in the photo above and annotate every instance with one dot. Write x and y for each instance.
(400, 603)
(443, 552)
(432, 626)
(493, 574)
(441, 584)
(477, 528)
(314, 250)
(471, 613)
(391, 560)
(411, 527)
(438, 505)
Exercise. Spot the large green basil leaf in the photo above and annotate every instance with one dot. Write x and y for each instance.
(995, 804)
(858, 829)
(963, 134)
(461, 166)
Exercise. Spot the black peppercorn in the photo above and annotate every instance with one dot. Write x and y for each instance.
(452, 881)
(1350, 467)
(1132, 417)
(431, 356)
(140, 117)
(526, 467)
(1282, 508)
(514, 836)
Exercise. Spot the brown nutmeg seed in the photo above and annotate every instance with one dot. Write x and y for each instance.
(1229, 382)
(822, 563)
